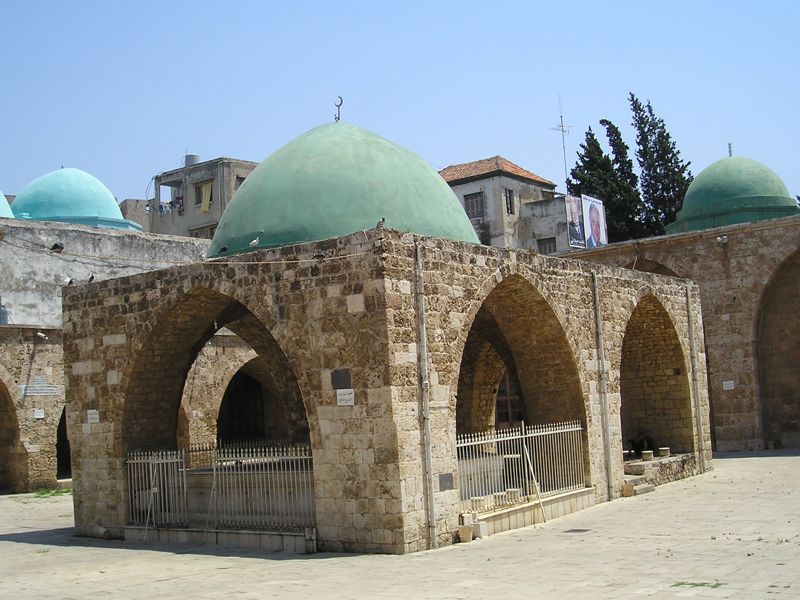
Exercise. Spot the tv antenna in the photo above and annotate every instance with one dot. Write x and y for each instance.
(564, 129)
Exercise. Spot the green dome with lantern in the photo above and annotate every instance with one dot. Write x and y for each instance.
(335, 180)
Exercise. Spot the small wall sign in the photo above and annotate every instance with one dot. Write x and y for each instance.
(728, 385)
(92, 416)
(345, 397)
(38, 413)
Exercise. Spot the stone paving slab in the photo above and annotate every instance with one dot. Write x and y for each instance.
(731, 533)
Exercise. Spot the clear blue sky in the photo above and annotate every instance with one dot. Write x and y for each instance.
(123, 90)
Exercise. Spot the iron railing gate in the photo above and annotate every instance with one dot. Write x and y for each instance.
(157, 489)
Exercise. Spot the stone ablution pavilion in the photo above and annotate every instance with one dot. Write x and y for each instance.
(380, 333)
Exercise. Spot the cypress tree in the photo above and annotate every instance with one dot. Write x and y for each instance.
(624, 211)
(593, 173)
(664, 176)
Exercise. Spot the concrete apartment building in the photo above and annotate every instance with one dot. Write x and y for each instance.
(511, 207)
(493, 192)
(190, 200)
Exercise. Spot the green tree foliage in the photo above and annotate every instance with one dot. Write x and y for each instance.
(596, 174)
(636, 207)
(593, 174)
(624, 208)
(664, 176)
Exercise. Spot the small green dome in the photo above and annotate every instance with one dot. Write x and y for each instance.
(733, 190)
(70, 196)
(335, 180)
(5, 209)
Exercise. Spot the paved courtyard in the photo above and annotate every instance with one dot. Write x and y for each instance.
(733, 532)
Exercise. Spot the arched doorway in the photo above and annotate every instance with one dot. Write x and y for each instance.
(654, 385)
(253, 486)
(156, 385)
(520, 411)
(242, 415)
(63, 456)
(778, 352)
(258, 405)
(517, 332)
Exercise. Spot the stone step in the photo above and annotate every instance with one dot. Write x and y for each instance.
(630, 483)
(643, 488)
(633, 479)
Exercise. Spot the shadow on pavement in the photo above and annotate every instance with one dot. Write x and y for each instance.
(65, 537)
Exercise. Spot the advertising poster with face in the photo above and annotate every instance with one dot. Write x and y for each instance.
(576, 229)
(594, 216)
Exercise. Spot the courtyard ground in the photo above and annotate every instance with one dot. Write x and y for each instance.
(733, 532)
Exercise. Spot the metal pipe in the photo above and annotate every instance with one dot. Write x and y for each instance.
(601, 368)
(425, 415)
(695, 381)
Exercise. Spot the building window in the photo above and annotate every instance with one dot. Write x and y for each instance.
(204, 195)
(546, 245)
(238, 183)
(509, 202)
(474, 205)
(509, 410)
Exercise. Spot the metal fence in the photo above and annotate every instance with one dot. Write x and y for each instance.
(514, 466)
(262, 488)
(157, 489)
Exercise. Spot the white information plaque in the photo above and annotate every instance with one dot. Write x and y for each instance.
(345, 397)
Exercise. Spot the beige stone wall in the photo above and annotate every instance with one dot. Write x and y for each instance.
(130, 344)
(315, 311)
(735, 268)
(545, 309)
(31, 404)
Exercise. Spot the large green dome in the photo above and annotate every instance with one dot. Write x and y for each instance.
(332, 181)
(70, 196)
(5, 209)
(733, 190)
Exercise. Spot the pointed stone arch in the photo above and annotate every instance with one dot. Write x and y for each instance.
(777, 350)
(163, 359)
(516, 328)
(655, 398)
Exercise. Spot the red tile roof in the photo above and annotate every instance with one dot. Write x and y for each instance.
(495, 165)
